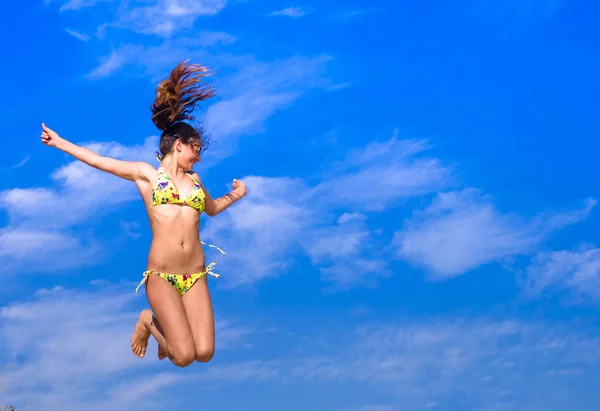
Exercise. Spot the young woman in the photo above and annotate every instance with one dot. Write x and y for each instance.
(176, 274)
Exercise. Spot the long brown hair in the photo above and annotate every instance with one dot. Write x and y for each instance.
(176, 98)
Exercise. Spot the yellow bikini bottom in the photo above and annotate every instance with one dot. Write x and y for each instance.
(182, 282)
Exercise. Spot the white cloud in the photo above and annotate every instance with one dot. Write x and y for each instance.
(211, 38)
(260, 231)
(108, 65)
(69, 350)
(85, 190)
(153, 61)
(346, 217)
(77, 35)
(348, 253)
(21, 163)
(576, 273)
(350, 15)
(283, 217)
(73, 342)
(382, 175)
(253, 370)
(164, 18)
(244, 114)
(156, 61)
(130, 229)
(462, 230)
(194, 7)
(75, 5)
(256, 91)
(47, 250)
(445, 363)
(440, 360)
(44, 239)
(290, 12)
(338, 241)
(549, 222)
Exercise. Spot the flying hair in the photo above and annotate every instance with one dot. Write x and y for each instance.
(176, 98)
(177, 95)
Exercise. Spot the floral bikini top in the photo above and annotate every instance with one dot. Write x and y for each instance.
(165, 192)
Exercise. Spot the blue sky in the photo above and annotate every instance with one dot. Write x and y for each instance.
(421, 226)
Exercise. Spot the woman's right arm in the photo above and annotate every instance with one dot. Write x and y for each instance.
(129, 170)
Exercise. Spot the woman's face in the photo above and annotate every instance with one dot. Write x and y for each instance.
(190, 154)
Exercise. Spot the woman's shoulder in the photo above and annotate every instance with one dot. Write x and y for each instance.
(147, 170)
(194, 175)
(147, 167)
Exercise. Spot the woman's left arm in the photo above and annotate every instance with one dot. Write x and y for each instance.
(218, 205)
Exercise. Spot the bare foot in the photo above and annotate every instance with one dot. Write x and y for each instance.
(161, 353)
(141, 334)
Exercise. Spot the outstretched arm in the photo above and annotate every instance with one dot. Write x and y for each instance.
(129, 170)
(218, 205)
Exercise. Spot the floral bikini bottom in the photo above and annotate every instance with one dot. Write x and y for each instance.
(182, 282)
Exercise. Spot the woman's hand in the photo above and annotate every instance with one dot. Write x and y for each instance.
(50, 137)
(239, 188)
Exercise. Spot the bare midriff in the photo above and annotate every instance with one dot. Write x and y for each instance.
(175, 247)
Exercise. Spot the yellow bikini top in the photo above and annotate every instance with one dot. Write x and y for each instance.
(165, 192)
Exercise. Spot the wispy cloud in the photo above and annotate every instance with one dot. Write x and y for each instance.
(259, 232)
(161, 18)
(462, 230)
(108, 65)
(462, 363)
(167, 17)
(78, 35)
(44, 250)
(87, 191)
(211, 38)
(383, 174)
(439, 360)
(42, 238)
(290, 12)
(350, 15)
(283, 217)
(21, 163)
(349, 252)
(75, 5)
(70, 351)
(257, 91)
(153, 61)
(95, 327)
(164, 19)
(574, 273)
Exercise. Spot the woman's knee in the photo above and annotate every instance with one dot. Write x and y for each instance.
(182, 355)
(204, 353)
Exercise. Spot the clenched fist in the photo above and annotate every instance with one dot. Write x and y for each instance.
(50, 137)
(239, 187)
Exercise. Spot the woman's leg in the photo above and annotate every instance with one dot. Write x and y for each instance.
(199, 312)
(168, 308)
(147, 325)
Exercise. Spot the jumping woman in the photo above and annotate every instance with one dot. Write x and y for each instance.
(181, 320)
